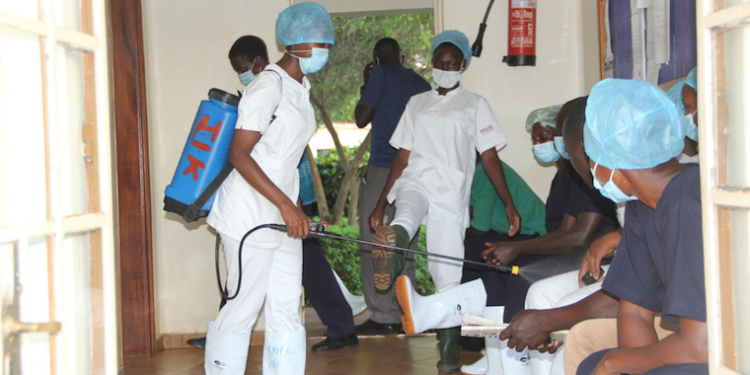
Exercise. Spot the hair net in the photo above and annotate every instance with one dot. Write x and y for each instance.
(632, 124)
(546, 116)
(456, 38)
(306, 22)
(675, 94)
(692, 78)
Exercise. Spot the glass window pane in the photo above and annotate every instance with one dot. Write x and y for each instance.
(28, 9)
(80, 304)
(68, 13)
(731, 3)
(732, 109)
(78, 183)
(34, 304)
(734, 261)
(23, 191)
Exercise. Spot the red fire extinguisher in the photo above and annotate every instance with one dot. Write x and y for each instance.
(521, 33)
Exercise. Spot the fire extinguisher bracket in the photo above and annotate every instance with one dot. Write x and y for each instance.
(520, 60)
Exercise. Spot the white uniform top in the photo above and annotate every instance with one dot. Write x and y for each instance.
(441, 133)
(238, 207)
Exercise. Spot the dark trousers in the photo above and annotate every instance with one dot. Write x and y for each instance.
(589, 364)
(503, 289)
(322, 289)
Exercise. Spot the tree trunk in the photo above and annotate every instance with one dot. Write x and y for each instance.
(354, 204)
(346, 183)
(334, 134)
(320, 194)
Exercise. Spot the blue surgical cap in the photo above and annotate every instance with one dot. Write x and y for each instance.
(306, 22)
(546, 116)
(692, 78)
(675, 94)
(632, 124)
(456, 38)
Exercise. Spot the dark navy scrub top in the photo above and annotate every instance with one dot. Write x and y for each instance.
(659, 263)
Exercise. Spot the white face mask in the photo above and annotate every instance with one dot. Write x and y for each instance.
(445, 78)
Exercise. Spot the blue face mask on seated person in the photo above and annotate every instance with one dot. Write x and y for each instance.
(610, 190)
(560, 147)
(545, 152)
(692, 127)
(315, 62)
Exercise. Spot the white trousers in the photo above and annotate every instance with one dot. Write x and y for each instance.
(552, 292)
(273, 275)
(445, 235)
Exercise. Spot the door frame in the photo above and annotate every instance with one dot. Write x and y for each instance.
(133, 199)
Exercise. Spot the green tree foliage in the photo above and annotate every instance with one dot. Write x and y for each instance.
(337, 86)
(344, 258)
(332, 171)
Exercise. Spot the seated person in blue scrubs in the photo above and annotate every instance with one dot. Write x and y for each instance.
(633, 136)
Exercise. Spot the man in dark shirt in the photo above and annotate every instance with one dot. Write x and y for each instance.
(388, 87)
(633, 135)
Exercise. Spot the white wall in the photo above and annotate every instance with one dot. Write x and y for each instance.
(513, 92)
(186, 47)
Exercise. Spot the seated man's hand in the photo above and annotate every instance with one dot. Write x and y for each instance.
(600, 249)
(550, 348)
(527, 330)
(514, 220)
(500, 253)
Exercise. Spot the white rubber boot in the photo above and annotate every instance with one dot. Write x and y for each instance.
(477, 368)
(225, 354)
(500, 358)
(357, 303)
(440, 310)
(284, 353)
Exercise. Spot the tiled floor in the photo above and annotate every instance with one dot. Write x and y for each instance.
(384, 356)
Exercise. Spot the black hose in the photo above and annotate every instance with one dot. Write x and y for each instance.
(333, 236)
(224, 293)
(487, 13)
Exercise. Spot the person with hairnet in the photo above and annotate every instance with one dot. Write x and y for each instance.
(333, 303)
(584, 216)
(388, 87)
(685, 96)
(437, 139)
(633, 135)
(275, 122)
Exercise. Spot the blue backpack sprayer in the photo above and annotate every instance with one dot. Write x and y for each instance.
(204, 165)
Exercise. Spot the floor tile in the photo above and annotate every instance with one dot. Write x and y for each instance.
(382, 356)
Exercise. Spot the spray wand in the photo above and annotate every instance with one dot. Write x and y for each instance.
(318, 230)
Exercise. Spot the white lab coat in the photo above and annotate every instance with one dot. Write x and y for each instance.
(442, 134)
(238, 207)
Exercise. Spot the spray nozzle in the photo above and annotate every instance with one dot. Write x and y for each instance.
(476, 48)
(515, 270)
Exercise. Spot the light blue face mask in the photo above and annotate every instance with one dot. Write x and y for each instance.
(560, 146)
(315, 62)
(610, 190)
(692, 128)
(247, 77)
(545, 152)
